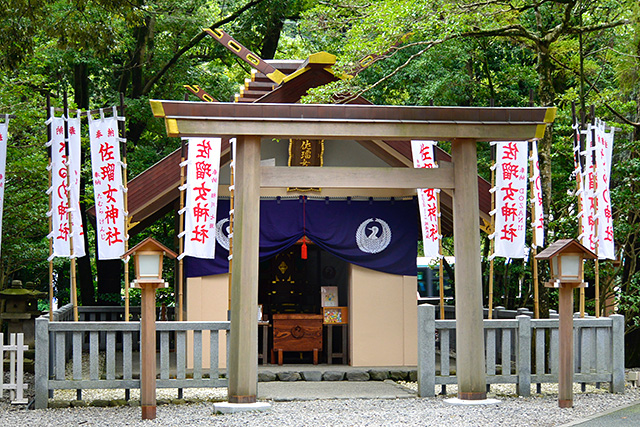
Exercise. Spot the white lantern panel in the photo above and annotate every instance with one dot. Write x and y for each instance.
(149, 266)
(570, 265)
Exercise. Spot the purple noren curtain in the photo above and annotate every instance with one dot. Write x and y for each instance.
(380, 235)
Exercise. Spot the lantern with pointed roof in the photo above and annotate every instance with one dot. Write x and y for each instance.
(566, 258)
(147, 256)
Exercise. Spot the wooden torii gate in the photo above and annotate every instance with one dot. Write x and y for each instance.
(463, 126)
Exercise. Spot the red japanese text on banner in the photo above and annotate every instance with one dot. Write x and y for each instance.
(424, 157)
(201, 198)
(537, 217)
(587, 194)
(60, 204)
(511, 199)
(4, 135)
(74, 185)
(107, 187)
(604, 149)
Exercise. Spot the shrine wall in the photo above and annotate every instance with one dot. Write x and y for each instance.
(382, 319)
(206, 300)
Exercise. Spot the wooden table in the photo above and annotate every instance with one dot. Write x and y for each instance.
(264, 325)
(297, 332)
(330, 353)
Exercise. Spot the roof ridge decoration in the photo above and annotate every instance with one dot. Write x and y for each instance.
(245, 54)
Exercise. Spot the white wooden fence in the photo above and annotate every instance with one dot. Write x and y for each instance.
(524, 351)
(16, 385)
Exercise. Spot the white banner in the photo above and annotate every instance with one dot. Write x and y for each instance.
(537, 217)
(60, 206)
(423, 157)
(203, 169)
(107, 186)
(510, 195)
(587, 194)
(4, 135)
(77, 228)
(604, 149)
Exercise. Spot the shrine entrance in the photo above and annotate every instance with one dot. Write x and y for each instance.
(289, 284)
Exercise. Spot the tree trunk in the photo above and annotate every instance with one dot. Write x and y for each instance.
(547, 95)
(272, 38)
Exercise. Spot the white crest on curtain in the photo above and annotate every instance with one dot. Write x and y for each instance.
(4, 135)
(511, 199)
(108, 190)
(203, 170)
(424, 157)
(537, 222)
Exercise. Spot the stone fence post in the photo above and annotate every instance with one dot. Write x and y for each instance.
(617, 353)
(42, 363)
(523, 362)
(426, 350)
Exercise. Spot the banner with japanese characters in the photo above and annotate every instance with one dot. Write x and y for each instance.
(4, 135)
(201, 198)
(604, 149)
(107, 186)
(61, 205)
(537, 217)
(586, 193)
(77, 227)
(510, 194)
(424, 157)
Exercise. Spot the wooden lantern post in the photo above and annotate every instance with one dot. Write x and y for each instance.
(147, 256)
(566, 258)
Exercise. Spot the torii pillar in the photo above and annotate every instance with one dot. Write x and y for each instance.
(470, 365)
(243, 347)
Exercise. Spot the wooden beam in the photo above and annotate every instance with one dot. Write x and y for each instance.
(352, 121)
(350, 129)
(345, 177)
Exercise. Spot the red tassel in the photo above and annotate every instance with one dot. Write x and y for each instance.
(303, 249)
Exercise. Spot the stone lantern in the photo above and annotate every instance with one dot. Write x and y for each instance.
(20, 308)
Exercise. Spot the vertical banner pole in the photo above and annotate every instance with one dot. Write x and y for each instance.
(577, 144)
(595, 192)
(72, 260)
(534, 245)
(492, 241)
(49, 136)
(180, 233)
(441, 266)
(232, 168)
(122, 130)
(180, 305)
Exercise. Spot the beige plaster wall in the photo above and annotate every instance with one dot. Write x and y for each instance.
(382, 319)
(206, 300)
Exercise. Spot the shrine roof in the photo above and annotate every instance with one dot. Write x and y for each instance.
(155, 191)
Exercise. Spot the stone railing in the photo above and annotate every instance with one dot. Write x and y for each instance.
(598, 350)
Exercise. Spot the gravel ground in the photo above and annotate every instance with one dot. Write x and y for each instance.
(538, 410)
